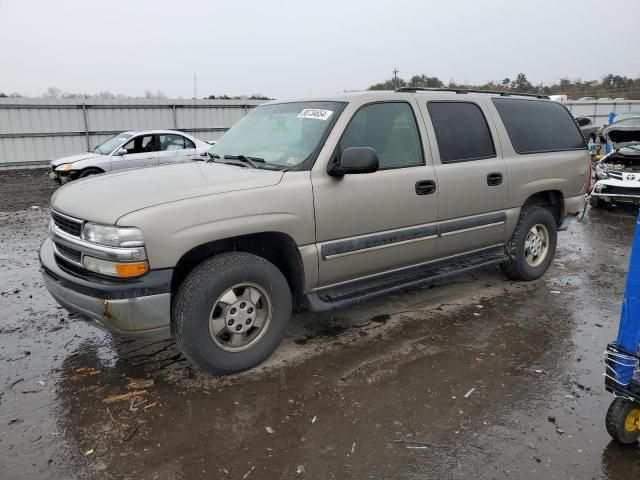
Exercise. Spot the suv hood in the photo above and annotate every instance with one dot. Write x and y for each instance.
(107, 197)
(74, 158)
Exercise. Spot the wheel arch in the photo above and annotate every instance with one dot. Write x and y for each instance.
(276, 247)
(80, 172)
(551, 199)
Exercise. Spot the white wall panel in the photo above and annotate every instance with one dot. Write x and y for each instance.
(36, 130)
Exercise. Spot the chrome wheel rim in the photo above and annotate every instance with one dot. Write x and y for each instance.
(536, 245)
(240, 317)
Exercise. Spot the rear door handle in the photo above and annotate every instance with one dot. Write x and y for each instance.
(494, 178)
(425, 187)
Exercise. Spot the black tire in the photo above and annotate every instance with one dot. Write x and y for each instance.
(197, 297)
(617, 415)
(517, 267)
(89, 171)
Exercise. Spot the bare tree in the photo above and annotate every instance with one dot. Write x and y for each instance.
(106, 94)
(52, 92)
(156, 94)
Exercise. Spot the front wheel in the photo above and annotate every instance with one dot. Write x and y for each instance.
(231, 312)
(90, 171)
(533, 244)
(623, 421)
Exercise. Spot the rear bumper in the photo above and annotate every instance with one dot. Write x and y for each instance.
(139, 307)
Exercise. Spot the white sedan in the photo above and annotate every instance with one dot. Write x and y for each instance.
(131, 150)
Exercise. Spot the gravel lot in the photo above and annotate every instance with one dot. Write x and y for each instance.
(473, 378)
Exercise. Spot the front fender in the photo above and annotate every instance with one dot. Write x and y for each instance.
(174, 228)
(103, 163)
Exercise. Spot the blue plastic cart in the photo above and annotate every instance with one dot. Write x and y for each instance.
(622, 375)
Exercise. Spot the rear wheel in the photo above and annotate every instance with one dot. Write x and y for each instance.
(231, 312)
(623, 421)
(533, 244)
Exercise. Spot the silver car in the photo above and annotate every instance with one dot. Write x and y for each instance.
(588, 129)
(130, 150)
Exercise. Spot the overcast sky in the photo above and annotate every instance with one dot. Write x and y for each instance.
(291, 48)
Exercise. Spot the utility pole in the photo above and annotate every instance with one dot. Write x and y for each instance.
(195, 100)
(395, 77)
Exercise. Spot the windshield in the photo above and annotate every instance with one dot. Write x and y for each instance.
(283, 135)
(110, 145)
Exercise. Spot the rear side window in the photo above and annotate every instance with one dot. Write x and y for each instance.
(536, 126)
(461, 130)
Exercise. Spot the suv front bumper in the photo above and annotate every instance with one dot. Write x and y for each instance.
(136, 307)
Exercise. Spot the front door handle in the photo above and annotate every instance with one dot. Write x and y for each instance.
(494, 179)
(425, 187)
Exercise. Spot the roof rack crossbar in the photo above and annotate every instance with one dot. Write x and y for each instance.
(469, 90)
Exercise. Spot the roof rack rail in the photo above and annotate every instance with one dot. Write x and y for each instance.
(469, 90)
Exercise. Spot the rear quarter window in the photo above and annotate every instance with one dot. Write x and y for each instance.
(536, 126)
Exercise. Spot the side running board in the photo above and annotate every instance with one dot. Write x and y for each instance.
(362, 290)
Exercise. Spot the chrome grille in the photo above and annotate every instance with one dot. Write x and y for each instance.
(69, 253)
(67, 225)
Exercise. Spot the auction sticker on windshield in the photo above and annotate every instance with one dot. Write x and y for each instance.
(317, 113)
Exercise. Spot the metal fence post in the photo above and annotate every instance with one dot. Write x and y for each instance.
(86, 127)
(175, 117)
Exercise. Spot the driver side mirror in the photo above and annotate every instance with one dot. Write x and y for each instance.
(355, 160)
(120, 152)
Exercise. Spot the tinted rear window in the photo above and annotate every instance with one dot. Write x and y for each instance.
(461, 131)
(538, 126)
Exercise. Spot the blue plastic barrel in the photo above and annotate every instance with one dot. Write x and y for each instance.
(629, 329)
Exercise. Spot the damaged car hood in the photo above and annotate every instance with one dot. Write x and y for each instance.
(623, 132)
(75, 158)
(105, 198)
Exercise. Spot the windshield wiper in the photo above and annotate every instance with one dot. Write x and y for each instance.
(253, 161)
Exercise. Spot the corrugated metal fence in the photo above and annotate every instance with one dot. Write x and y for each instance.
(598, 110)
(34, 130)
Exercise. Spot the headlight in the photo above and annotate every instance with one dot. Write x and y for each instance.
(115, 269)
(112, 236)
(65, 167)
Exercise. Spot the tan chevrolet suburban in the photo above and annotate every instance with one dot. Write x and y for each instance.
(316, 203)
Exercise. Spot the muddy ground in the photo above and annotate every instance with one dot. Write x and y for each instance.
(473, 378)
